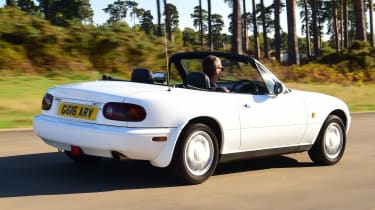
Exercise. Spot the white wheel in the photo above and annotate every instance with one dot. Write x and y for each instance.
(199, 153)
(333, 140)
(196, 154)
(330, 145)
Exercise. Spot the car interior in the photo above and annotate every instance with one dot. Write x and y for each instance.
(238, 77)
(233, 78)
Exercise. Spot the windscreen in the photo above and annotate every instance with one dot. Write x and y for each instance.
(233, 71)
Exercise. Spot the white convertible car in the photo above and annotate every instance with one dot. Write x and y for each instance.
(177, 120)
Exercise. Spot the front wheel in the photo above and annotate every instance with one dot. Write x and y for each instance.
(196, 154)
(330, 145)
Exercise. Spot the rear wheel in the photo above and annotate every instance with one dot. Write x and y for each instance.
(330, 145)
(196, 154)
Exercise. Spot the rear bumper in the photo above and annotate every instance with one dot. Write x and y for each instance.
(102, 140)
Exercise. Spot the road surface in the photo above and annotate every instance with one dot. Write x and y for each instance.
(36, 176)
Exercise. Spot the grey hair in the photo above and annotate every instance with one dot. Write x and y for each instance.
(210, 64)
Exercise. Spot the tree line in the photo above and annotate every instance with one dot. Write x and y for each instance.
(343, 21)
(58, 12)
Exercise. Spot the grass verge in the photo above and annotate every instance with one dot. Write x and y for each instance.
(21, 97)
(359, 98)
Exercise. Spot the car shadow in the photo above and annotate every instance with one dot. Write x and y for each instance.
(54, 173)
(257, 164)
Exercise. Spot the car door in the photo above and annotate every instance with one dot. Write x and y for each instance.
(269, 120)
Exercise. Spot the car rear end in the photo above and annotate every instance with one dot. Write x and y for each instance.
(95, 118)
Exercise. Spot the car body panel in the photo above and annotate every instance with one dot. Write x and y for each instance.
(102, 140)
(319, 106)
(284, 123)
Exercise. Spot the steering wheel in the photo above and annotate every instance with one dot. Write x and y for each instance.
(244, 82)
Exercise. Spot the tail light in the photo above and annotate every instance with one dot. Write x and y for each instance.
(47, 101)
(124, 112)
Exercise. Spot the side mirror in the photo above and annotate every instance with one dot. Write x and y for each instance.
(278, 88)
(159, 77)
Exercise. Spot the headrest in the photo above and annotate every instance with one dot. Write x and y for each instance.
(142, 75)
(198, 80)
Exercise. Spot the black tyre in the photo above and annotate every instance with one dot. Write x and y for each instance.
(330, 145)
(82, 158)
(196, 154)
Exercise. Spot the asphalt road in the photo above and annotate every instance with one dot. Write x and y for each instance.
(35, 176)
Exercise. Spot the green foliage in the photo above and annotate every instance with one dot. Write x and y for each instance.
(356, 63)
(31, 44)
(10, 3)
(117, 11)
(35, 40)
(196, 20)
(62, 13)
(173, 16)
(68, 11)
(146, 22)
(190, 37)
(217, 23)
(27, 6)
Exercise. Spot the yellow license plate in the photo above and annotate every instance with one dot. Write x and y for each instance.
(78, 111)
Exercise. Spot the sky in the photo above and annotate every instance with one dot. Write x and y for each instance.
(184, 7)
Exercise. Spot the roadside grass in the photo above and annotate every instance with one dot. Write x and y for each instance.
(360, 98)
(21, 95)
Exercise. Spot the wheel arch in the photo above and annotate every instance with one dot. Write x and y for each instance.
(164, 159)
(341, 114)
(211, 123)
(180, 164)
(318, 152)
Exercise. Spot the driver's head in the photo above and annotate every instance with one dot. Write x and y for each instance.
(211, 66)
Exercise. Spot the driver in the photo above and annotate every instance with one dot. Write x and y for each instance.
(212, 67)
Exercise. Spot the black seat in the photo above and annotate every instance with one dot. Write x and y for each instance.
(198, 80)
(142, 75)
